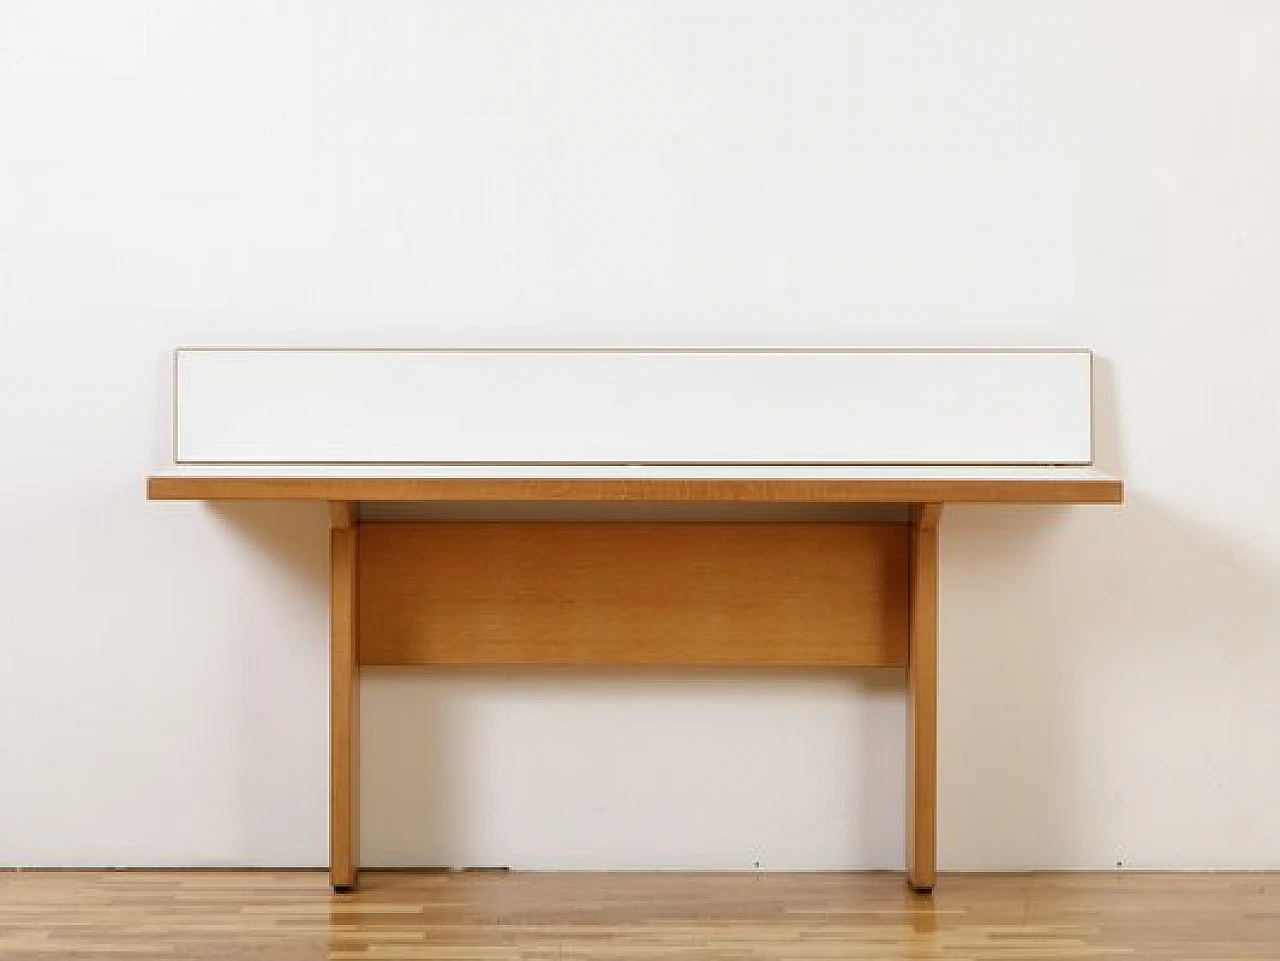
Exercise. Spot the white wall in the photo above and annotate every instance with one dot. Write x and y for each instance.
(703, 173)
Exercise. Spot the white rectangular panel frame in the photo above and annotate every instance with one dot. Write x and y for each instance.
(636, 406)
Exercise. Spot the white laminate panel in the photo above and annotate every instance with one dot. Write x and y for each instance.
(832, 472)
(959, 407)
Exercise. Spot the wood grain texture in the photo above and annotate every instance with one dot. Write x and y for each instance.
(292, 916)
(782, 594)
(887, 491)
(343, 513)
(922, 700)
(344, 699)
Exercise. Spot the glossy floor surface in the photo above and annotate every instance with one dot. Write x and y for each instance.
(568, 917)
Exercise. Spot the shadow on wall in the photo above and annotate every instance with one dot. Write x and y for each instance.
(280, 763)
(581, 768)
(1090, 663)
(429, 801)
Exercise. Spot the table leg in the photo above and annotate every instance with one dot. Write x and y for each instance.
(344, 697)
(922, 700)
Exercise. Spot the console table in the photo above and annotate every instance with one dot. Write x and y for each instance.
(627, 508)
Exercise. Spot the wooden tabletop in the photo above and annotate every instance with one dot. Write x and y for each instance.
(974, 485)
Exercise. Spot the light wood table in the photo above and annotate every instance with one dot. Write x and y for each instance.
(636, 588)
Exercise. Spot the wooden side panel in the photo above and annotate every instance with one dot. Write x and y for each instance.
(779, 594)
(922, 701)
(344, 697)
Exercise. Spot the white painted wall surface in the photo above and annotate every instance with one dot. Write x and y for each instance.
(706, 173)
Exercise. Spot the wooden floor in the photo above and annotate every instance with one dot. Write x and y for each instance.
(568, 917)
